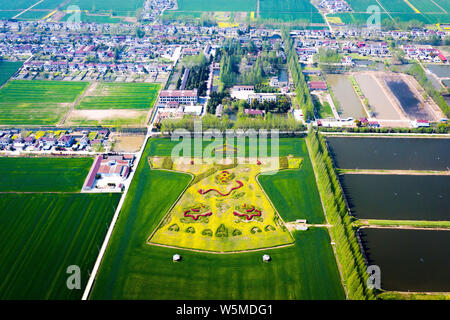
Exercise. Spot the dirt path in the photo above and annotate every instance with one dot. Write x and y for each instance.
(374, 226)
(397, 172)
(90, 89)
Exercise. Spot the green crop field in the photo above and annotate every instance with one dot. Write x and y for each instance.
(216, 5)
(131, 268)
(444, 4)
(290, 10)
(397, 6)
(7, 69)
(8, 14)
(43, 234)
(294, 194)
(426, 6)
(295, 147)
(16, 5)
(43, 174)
(37, 102)
(117, 7)
(121, 96)
(94, 19)
(399, 10)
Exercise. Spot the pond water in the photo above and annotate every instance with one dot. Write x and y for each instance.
(390, 153)
(349, 103)
(397, 197)
(283, 75)
(440, 70)
(408, 101)
(414, 260)
(378, 101)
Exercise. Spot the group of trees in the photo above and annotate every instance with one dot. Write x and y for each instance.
(349, 254)
(268, 122)
(235, 60)
(301, 86)
(440, 128)
(198, 73)
(281, 105)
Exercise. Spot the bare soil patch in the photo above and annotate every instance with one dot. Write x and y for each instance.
(129, 143)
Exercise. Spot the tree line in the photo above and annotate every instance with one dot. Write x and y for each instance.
(301, 86)
(348, 251)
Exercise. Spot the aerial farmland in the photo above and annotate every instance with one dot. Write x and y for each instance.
(241, 158)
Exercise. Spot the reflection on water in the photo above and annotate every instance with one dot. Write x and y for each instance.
(440, 70)
(349, 103)
(412, 106)
(416, 260)
(398, 197)
(390, 153)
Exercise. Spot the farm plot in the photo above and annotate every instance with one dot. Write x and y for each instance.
(43, 234)
(426, 6)
(290, 10)
(120, 96)
(17, 5)
(115, 104)
(43, 174)
(378, 101)
(396, 6)
(133, 269)
(444, 4)
(37, 102)
(116, 7)
(216, 5)
(7, 69)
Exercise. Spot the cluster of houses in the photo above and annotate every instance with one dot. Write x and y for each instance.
(108, 172)
(54, 140)
(152, 9)
(307, 48)
(424, 53)
(335, 6)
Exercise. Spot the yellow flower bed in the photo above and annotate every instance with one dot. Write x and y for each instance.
(223, 210)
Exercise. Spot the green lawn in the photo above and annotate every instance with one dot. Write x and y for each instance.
(294, 194)
(118, 7)
(37, 102)
(217, 5)
(43, 174)
(131, 269)
(287, 146)
(121, 96)
(43, 234)
(7, 69)
(290, 10)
